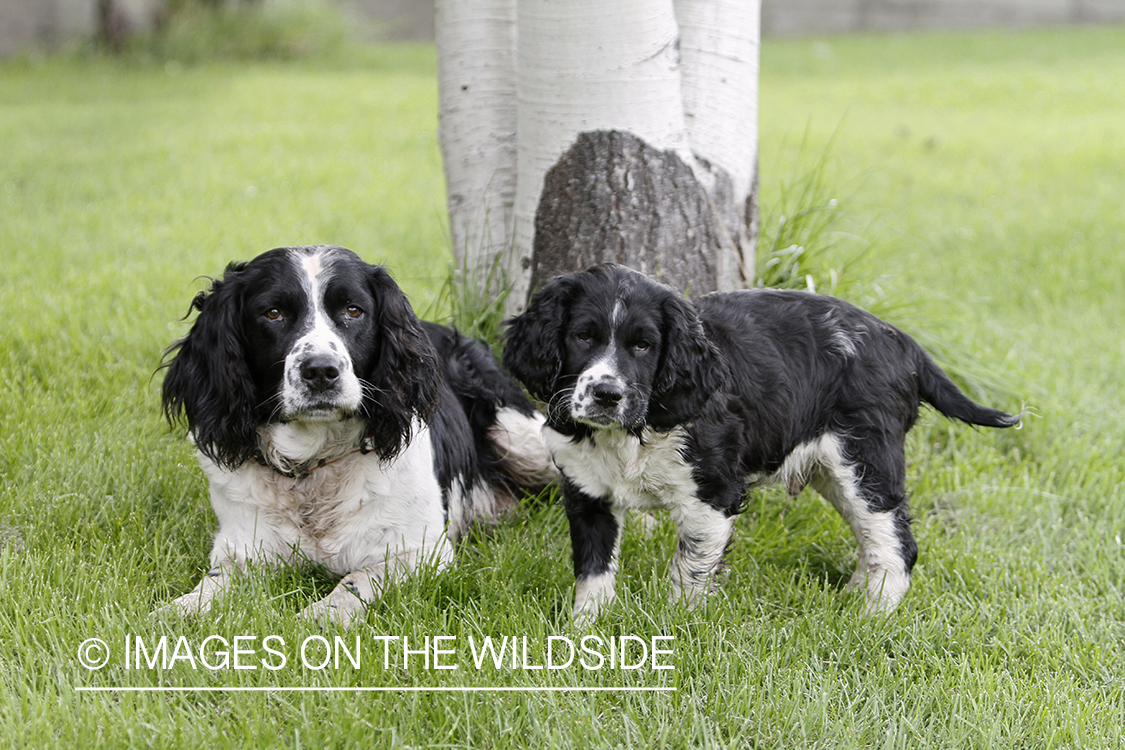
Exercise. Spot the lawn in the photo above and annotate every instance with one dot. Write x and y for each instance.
(986, 172)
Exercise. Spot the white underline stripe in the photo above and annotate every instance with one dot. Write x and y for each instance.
(468, 689)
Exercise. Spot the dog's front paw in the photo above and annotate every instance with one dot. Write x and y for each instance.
(188, 605)
(882, 589)
(585, 617)
(334, 609)
(592, 596)
(696, 589)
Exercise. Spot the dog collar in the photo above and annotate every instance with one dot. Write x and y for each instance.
(303, 469)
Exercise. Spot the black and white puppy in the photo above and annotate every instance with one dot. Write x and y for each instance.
(335, 427)
(655, 402)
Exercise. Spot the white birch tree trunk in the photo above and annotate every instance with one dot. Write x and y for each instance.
(639, 117)
(589, 65)
(477, 128)
(719, 52)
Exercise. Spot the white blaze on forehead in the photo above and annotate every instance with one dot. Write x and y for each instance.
(604, 369)
(618, 313)
(311, 265)
(315, 268)
(318, 338)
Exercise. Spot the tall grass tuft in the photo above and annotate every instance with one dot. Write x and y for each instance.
(807, 242)
(474, 299)
(801, 244)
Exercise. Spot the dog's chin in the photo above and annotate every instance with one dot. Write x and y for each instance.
(600, 422)
(319, 413)
(610, 422)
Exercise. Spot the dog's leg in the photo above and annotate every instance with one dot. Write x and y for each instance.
(239, 541)
(349, 599)
(870, 495)
(704, 534)
(595, 537)
(214, 582)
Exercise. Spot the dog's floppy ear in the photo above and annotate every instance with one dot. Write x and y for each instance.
(404, 377)
(691, 368)
(208, 383)
(533, 348)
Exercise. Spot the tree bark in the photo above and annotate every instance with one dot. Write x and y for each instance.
(614, 198)
(622, 131)
(582, 66)
(113, 26)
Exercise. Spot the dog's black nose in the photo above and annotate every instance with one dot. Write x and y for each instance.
(320, 373)
(607, 394)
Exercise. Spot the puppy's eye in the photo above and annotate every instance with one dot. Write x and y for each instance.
(641, 346)
(584, 337)
(353, 312)
(273, 314)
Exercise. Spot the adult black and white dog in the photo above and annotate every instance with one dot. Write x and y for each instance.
(655, 402)
(335, 427)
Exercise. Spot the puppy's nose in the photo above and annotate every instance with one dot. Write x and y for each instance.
(608, 394)
(320, 373)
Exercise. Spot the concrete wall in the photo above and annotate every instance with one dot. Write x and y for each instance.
(414, 19)
(28, 24)
(400, 19)
(818, 16)
(46, 24)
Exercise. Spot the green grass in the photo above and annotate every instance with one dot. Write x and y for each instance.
(986, 170)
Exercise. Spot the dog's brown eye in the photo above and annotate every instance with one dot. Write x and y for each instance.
(273, 314)
(641, 346)
(353, 311)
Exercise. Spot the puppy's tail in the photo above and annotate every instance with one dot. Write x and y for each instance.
(939, 391)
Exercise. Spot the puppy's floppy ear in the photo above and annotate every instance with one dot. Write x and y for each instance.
(403, 380)
(208, 382)
(691, 368)
(533, 348)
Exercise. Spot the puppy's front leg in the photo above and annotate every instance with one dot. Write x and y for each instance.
(595, 538)
(349, 599)
(704, 534)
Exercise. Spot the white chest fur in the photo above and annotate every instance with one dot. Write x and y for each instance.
(632, 472)
(343, 515)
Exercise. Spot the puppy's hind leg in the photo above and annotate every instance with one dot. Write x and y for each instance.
(867, 488)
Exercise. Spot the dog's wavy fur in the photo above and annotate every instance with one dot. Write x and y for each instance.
(658, 402)
(336, 427)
